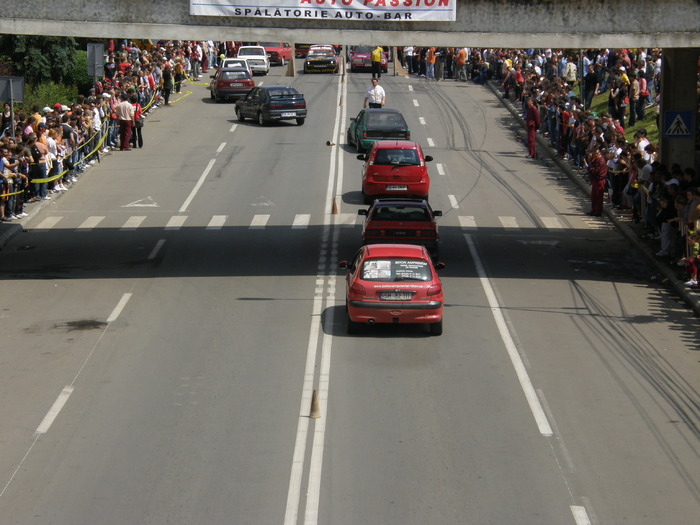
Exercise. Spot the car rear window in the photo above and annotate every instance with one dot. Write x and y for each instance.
(396, 157)
(234, 75)
(385, 120)
(394, 270)
(251, 51)
(281, 92)
(401, 213)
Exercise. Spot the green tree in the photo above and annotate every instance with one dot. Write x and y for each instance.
(39, 58)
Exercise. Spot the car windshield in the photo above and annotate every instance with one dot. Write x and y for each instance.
(396, 157)
(316, 53)
(393, 270)
(362, 50)
(381, 119)
(281, 92)
(271, 44)
(251, 51)
(234, 75)
(401, 213)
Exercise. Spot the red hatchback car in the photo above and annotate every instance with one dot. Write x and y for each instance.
(395, 168)
(395, 284)
(405, 221)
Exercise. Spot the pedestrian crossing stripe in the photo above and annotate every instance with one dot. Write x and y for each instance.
(680, 123)
(303, 221)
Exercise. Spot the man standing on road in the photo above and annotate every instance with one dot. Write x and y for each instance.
(125, 115)
(376, 55)
(375, 95)
(532, 123)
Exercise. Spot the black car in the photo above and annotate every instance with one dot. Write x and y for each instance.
(231, 83)
(268, 103)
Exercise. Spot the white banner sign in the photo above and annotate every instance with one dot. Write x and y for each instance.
(399, 10)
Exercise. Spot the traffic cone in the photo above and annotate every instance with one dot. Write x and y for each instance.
(315, 410)
(335, 208)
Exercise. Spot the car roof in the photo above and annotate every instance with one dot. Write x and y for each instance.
(234, 68)
(382, 110)
(395, 144)
(277, 87)
(396, 250)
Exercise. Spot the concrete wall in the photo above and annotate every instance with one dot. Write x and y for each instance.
(480, 23)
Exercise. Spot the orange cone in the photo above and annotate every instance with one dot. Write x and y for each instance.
(315, 410)
(335, 208)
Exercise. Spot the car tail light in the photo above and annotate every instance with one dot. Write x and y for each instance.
(357, 289)
(271, 106)
(299, 105)
(408, 135)
(375, 233)
(434, 289)
(364, 134)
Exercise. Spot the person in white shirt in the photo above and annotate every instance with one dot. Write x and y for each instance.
(375, 95)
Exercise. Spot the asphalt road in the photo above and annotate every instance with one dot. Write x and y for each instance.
(167, 320)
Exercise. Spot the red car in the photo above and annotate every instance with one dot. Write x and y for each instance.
(361, 58)
(394, 284)
(279, 53)
(409, 221)
(395, 168)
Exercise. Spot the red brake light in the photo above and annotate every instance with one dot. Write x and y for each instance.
(408, 135)
(275, 105)
(357, 289)
(434, 289)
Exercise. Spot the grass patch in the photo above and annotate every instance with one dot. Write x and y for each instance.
(600, 105)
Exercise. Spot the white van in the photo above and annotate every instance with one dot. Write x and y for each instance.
(257, 58)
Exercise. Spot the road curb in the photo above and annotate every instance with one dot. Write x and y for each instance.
(690, 298)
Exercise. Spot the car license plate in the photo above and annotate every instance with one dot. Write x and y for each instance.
(394, 187)
(236, 84)
(290, 114)
(395, 296)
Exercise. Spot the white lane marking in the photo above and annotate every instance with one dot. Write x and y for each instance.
(467, 221)
(410, 87)
(148, 202)
(233, 128)
(415, 102)
(120, 306)
(217, 222)
(509, 223)
(51, 415)
(156, 249)
(552, 223)
(440, 169)
(132, 223)
(453, 201)
(496, 310)
(431, 143)
(176, 222)
(580, 515)
(194, 191)
(421, 120)
(48, 223)
(221, 147)
(301, 221)
(295, 479)
(90, 223)
(260, 83)
(258, 222)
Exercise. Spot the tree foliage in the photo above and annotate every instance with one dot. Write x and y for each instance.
(39, 59)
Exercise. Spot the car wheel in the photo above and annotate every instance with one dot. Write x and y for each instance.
(358, 146)
(211, 94)
(435, 328)
(367, 199)
(284, 62)
(239, 114)
(261, 119)
(300, 121)
(218, 99)
(353, 327)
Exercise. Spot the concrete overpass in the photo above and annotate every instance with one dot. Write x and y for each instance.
(673, 25)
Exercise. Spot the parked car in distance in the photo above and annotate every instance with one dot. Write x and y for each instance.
(225, 63)
(394, 284)
(376, 124)
(395, 168)
(257, 59)
(404, 221)
(361, 59)
(321, 59)
(230, 83)
(279, 53)
(269, 103)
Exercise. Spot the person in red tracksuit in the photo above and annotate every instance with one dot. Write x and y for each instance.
(532, 122)
(598, 173)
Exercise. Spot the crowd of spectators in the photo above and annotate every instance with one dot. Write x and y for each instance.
(562, 84)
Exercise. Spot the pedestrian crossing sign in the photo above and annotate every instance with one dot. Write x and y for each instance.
(677, 124)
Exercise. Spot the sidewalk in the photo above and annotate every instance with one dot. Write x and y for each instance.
(633, 232)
